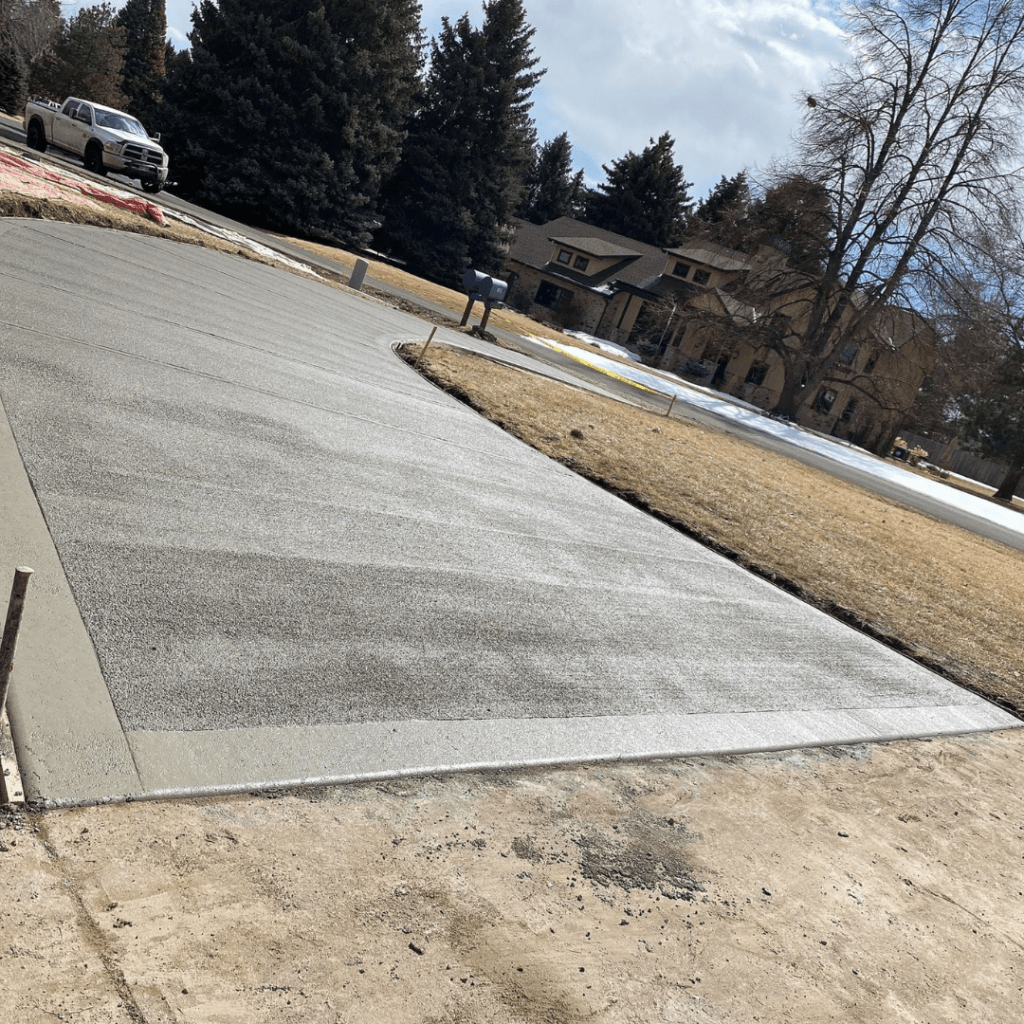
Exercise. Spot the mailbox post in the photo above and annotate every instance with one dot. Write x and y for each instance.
(489, 290)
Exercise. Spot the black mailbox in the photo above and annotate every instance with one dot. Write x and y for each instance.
(480, 286)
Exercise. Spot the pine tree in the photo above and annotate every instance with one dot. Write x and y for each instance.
(552, 189)
(645, 196)
(290, 114)
(795, 215)
(461, 176)
(145, 26)
(13, 78)
(725, 206)
(994, 420)
(85, 60)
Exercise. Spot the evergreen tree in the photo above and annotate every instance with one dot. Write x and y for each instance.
(645, 196)
(145, 26)
(290, 114)
(85, 60)
(729, 197)
(795, 216)
(719, 217)
(13, 78)
(461, 177)
(994, 420)
(552, 190)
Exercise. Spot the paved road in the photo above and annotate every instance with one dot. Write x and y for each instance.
(271, 553)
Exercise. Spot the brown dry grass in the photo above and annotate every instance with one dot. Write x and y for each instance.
(941, 594)
(14, 205)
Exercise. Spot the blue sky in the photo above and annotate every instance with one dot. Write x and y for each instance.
(720, 75)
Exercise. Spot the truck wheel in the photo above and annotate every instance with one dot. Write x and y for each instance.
(94, 159)
(36, 137)
(152, 187)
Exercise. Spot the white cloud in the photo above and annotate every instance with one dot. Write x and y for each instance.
(719, 75)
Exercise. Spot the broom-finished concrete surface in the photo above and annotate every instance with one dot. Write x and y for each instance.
(267, 552)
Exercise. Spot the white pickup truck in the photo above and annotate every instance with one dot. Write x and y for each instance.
(105, 139)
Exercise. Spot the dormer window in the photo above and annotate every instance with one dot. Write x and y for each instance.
(564, 256)
(681, 269)
(581, 263)
(701, 276)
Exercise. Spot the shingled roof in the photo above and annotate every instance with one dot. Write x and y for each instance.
(640, 264)
(601, 248)
(711, 254)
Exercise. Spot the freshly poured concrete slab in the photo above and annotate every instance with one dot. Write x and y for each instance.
(283, 544)
(68, 718)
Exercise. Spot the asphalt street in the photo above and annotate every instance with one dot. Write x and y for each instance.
(268, 553)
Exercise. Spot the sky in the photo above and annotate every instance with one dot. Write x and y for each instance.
(721, 76)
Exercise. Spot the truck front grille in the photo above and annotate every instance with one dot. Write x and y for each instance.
(149, 156)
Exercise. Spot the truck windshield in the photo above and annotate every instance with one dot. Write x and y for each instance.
(120, 123)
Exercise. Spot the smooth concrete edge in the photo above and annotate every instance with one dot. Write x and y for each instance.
(82, 751)
(180, 764)
(12, 791)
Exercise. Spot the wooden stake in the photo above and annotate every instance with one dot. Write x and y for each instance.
(423, 350)
(11, 627)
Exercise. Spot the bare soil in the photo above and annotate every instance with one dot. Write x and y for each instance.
(865, 884)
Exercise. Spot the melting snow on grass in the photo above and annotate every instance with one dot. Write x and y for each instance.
(753, 418)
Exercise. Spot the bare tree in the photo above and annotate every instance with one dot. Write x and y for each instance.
(29, 25)
(27, 28)
(86, 59)
(915, 143)
(977, 391)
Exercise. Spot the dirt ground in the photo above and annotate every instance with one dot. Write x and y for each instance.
(874, 883)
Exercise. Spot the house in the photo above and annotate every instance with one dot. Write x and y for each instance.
(699, 310)
(581, 277)
(718, 340)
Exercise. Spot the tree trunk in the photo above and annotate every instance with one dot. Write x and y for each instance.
(1010, 482)
(793, 394)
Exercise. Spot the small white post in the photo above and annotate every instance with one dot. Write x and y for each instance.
(358, 275)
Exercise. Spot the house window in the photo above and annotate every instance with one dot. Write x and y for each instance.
(848, 353)
(701, 277)
(825, 400)
(681, 269)
(872, 360)
(715, 352)
(757, 373)
(548, 294)
(851, 408)
(581, 263)
(564, 256)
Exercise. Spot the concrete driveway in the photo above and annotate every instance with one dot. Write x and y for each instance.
(267, 552)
